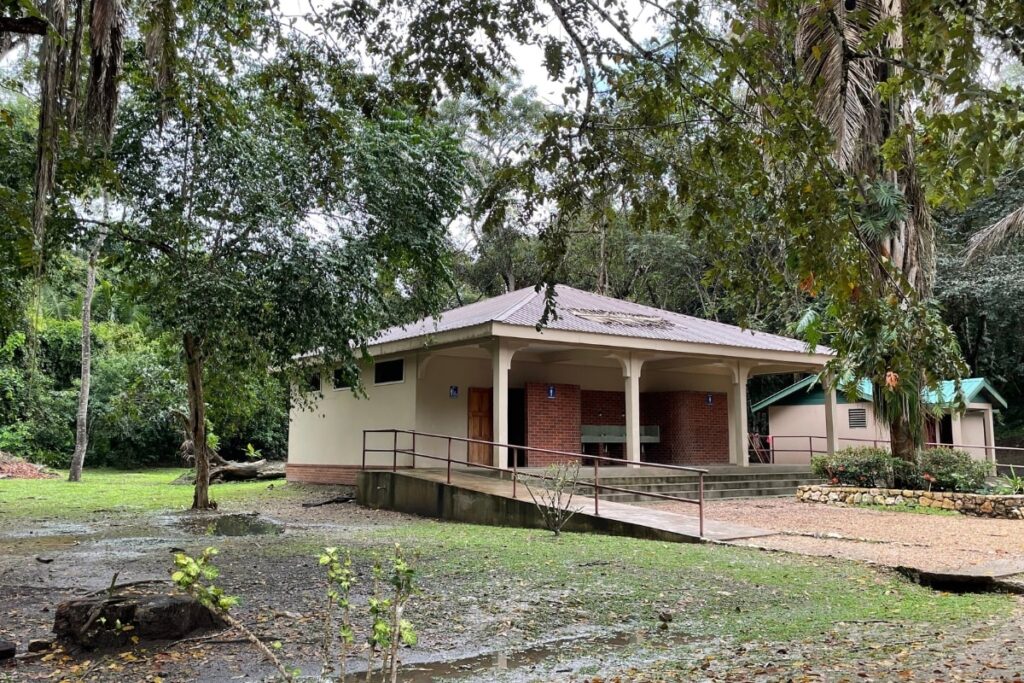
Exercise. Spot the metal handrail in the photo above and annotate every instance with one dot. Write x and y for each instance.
(597, 486)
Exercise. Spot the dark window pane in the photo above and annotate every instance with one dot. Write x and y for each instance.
(339, 379)
(858, 418)
(389, 371)
(313, 382)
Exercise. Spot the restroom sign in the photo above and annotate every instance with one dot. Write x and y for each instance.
(551, 391)
(453, 391)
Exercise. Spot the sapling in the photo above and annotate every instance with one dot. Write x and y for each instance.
(340, 580)
(401, 630)
(554, 494)
(380, 630)
(195, 576)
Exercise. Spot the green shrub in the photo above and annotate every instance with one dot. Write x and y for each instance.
(947, 469)
(907, 475)
(859, 466)
(937, 469)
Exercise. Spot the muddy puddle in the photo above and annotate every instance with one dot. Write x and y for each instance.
(243, 524)
(42, 529)
(552, 660)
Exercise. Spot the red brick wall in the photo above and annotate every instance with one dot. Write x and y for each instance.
(321, 474)
(603, 407)
(692, 432)
(552, 423)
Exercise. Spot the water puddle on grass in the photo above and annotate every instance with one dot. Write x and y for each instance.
(245, 524)
(554, 659)
(50, 529)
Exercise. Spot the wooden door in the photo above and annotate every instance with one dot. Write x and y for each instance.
(481, 424)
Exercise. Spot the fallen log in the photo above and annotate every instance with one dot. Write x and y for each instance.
(239, 471)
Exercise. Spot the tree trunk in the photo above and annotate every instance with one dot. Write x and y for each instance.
(197, 421)
(902, 440)
(82, 416)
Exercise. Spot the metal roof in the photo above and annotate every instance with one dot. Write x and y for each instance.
(946, 395)
(579, 311)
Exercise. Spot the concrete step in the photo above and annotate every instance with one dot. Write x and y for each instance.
(708, 486)
(616, 479)
(715, 494)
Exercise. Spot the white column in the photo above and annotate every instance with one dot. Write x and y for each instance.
(631, 369)
(956, 420)
(990, 436)
(738, 416)
(501, 361)
(831, 419)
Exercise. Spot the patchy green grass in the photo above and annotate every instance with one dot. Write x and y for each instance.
(910, 509)
(115, 491)
(712, 590)
(544, 583)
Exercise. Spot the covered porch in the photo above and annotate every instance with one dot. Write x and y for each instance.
(639, 406)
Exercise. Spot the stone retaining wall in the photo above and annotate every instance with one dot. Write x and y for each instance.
(979, 505)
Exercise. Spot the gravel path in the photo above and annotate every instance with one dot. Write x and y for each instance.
(932, 542)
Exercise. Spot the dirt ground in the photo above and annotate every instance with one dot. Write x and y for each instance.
(516, 629)
(923, 541)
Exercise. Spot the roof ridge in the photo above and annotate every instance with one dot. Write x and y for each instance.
(531, 292)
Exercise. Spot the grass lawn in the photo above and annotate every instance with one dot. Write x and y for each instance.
(712, 590)
(104, 490)
(506, 588)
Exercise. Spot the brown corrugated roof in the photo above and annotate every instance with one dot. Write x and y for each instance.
(579, 311)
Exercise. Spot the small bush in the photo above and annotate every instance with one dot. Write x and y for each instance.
(948, 469)
(936, 469)
(860, 466)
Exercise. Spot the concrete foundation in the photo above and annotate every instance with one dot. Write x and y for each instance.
(488, 500)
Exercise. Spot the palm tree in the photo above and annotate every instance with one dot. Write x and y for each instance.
(846, 71)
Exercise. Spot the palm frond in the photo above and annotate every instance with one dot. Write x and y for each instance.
(106, 37)
(987, 240)
(846, 100)
(159, 47)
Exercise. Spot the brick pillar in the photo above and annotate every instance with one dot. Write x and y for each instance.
(552, 422)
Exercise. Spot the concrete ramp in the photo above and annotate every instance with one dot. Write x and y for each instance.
(489, 500)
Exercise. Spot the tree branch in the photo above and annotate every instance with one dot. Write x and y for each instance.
(35, 26)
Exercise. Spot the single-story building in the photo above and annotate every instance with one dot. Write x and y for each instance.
(604, 376)
(796, 419)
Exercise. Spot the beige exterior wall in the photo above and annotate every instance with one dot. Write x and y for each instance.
(437, 412)
(973, 423)
(790, 426)
(331, 433)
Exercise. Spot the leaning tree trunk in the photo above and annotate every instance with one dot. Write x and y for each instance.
(82, 416)
(197, 421)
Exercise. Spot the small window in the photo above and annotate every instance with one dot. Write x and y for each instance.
(313, 382)
(858, 418)
(389, 372)
(339, 380)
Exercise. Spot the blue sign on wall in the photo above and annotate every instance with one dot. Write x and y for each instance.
(709, 400)
(453, 391)
(551, 391)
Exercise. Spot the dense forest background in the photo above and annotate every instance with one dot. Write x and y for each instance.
(139, 390)
(460, 187)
